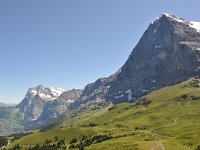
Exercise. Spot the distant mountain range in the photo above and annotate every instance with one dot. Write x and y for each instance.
(167, 53)
(2, 105)
(6, 104)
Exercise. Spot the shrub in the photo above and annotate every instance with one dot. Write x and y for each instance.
(198, 147)
(74, 140)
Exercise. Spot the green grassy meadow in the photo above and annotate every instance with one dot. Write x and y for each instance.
(165, 119)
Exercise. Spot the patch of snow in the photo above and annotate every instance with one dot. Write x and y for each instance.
(145, 91)
(45, 96)
(23, 115)
(116, 97)
(129, 94)
(195, 25)
(166, 14)
(154, 31)
(56, 91)
(33, 119)
(153, 81)
(34, 92)
(158, 46)
(60, 89)
(192, 24)
(70, 101)
(178, 19)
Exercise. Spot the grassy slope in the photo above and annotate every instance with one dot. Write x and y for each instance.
(166, 118)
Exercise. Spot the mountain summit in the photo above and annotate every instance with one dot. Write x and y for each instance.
(46, 93)
(167, 53)
(33, 103)
(43, 104)
(193, 24)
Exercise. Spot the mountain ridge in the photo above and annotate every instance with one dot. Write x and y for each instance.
(165, 43)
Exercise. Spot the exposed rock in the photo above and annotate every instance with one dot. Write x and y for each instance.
(168, 53)
(43, 104)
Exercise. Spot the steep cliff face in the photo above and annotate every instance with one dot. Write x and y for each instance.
(167, 53)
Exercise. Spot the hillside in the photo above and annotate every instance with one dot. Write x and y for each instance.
(164, 119)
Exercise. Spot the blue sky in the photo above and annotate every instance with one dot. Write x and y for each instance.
(69, 43)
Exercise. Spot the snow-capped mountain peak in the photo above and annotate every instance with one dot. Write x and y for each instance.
(46, 93)
(193, 24)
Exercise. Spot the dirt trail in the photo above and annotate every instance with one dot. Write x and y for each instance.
(159, 146)
(160, 143)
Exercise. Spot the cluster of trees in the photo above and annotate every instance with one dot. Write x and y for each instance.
(59, 144)
(198, 147)
(3, 141)
(89, 125)
(140, 128)
(86, 141)
(56, 144)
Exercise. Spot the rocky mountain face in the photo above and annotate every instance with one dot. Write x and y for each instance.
(167, 53)
(57, 107)
(43, 104)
